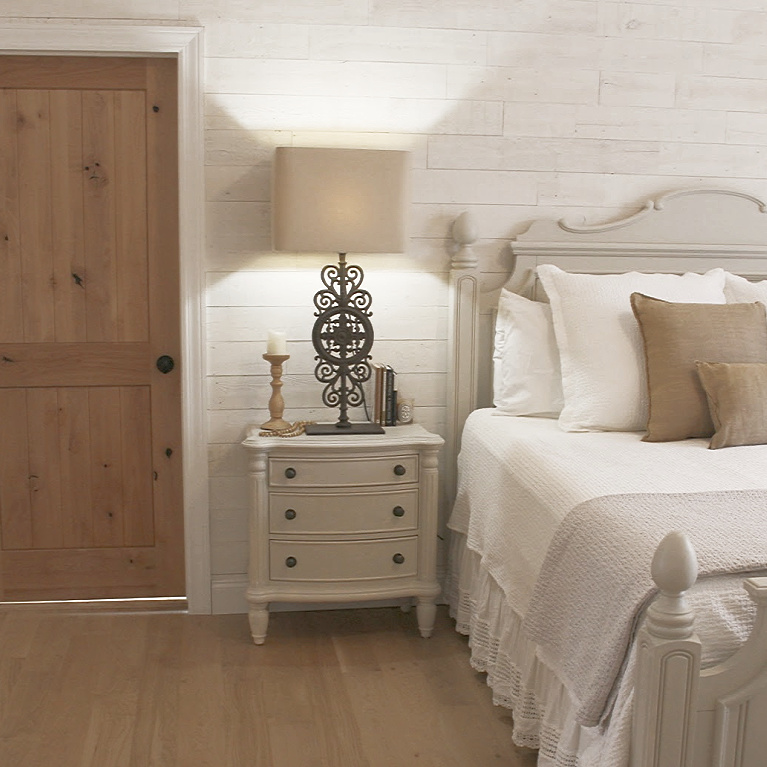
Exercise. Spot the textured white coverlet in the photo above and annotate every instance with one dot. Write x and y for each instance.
(519, 477)
(544, 715)
(596, 577)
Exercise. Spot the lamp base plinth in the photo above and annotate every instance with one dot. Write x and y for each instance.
(276, 424)
(334, 429)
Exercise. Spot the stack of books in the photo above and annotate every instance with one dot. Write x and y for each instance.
(384, 395)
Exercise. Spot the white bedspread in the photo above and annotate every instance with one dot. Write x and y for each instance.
(509, 506)
(511, 500)
(596, 577)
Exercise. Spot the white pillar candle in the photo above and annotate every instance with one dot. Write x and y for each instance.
(276, 343)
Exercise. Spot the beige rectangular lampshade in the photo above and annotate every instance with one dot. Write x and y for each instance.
(339, 200)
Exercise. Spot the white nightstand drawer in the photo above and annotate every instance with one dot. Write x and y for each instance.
(349, 561)
(343, 472)
(348, 512)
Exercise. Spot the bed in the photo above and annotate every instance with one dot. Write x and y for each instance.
(608, 566)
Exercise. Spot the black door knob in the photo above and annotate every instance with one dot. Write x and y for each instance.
(290, 513)
(165, 363)
(291, 561)
(290, 473)
(398, 511)
(398, 559)
(399, 470)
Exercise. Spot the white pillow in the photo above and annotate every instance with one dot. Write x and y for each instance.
(526, 376)
(738, 290)
(600, 346)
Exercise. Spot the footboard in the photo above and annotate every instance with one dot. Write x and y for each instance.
(684, 717)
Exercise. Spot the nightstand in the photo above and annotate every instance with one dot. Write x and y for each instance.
(337, 519)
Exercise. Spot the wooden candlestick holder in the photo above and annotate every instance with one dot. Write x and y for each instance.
(276, 402)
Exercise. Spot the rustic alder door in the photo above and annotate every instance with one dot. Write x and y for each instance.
(90, 429)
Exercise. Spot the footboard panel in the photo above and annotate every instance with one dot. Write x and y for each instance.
(732, 699)
(684, 717)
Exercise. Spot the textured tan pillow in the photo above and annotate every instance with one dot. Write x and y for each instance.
(737, 400)
(675, 336)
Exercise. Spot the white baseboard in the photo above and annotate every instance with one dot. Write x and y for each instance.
(228, 594)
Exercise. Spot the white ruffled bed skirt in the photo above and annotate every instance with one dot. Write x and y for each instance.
(543, 716)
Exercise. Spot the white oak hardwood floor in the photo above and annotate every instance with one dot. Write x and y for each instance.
(342, 688)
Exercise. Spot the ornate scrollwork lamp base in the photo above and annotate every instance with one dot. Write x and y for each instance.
(343, 338)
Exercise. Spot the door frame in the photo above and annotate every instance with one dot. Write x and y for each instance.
(184, 43)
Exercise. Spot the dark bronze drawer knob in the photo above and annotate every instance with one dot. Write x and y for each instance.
(398, 559)
(290, 472)
(291, 561)
(290, 514)
(399, 470)
(398, 511)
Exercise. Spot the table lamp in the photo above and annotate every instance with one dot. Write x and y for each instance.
(340, 201)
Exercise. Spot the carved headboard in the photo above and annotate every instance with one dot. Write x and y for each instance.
(682, 231)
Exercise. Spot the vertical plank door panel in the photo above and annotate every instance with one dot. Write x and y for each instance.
(11, 299)
(138, 519)
(34, 151)
(75, 457)
(106, 465)
(100, 262)
(91, 495)
(67, 214)
(44, 468)
(131, 217)
(15, 504)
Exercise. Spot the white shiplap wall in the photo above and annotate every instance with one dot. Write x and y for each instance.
(513, 109)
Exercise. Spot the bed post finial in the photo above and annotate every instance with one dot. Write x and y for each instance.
(668, 663)
(464, 234)
(674, 570)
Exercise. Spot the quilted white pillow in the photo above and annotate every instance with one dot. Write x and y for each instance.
(600, 346)
(526, 375)
(738, 290)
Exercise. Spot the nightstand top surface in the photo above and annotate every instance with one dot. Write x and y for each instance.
(409, 434)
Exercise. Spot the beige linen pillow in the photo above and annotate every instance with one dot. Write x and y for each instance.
(675, 336)
(737, 400)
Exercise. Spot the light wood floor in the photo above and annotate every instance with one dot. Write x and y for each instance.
(350, 688)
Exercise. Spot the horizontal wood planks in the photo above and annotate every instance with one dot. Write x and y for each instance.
(49, 72)
(71, 364)
(104, 573)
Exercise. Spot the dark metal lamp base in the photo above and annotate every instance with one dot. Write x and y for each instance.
(351, 428)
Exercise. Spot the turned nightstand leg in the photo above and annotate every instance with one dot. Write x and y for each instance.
(258, 615)
(426, 613)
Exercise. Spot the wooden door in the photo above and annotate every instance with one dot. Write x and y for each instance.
(90, 429)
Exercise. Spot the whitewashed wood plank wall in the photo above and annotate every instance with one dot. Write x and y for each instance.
(513, 109)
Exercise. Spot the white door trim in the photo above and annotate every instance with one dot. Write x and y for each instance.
(66, 38)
